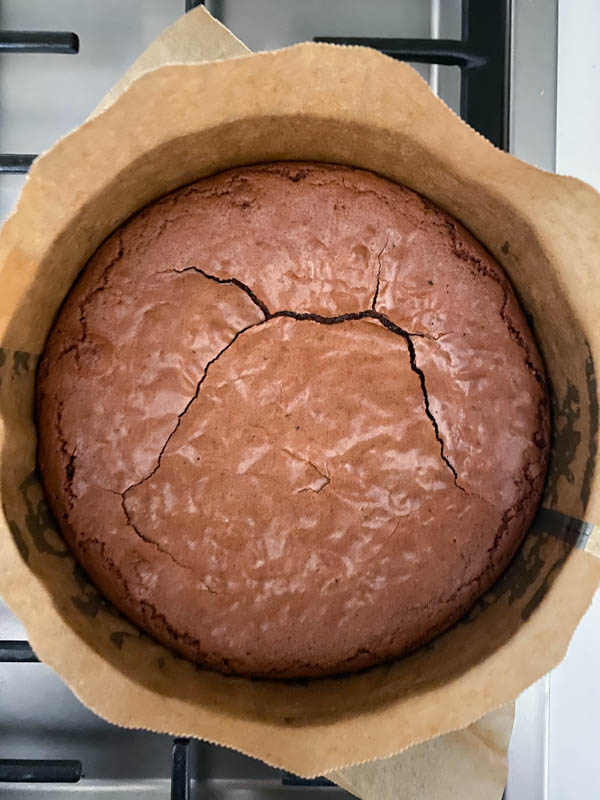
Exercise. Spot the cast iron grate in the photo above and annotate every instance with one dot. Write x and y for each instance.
(483, 55)
(57, 42)
(71, 771)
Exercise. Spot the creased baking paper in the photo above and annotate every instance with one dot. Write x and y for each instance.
(316, 102)
(469, 763)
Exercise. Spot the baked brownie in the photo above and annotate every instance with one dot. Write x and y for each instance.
(292, 421)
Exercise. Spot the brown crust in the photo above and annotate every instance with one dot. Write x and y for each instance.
(292, 420)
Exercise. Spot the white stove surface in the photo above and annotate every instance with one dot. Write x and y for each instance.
(553, 748)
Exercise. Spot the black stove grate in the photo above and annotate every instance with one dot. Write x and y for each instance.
(13, 652)
(56, 42)
(180, 769)
(71, 771)
(25, 770)
(483, 55)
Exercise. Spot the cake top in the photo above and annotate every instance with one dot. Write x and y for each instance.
(301, 420)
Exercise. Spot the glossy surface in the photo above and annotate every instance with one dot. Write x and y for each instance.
(292, 420)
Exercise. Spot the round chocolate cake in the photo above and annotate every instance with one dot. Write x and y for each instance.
(292, 421)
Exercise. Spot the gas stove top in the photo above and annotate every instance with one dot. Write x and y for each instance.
(496, 64)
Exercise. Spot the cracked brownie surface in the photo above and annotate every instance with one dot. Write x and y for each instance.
(292, 421)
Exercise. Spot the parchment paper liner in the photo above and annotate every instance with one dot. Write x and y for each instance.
(346, 105)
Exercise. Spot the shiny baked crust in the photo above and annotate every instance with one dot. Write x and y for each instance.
(292, 420)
